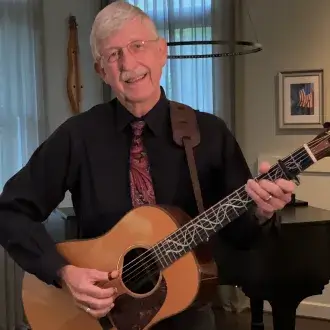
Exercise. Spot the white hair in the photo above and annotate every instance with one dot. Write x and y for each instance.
(110, 19)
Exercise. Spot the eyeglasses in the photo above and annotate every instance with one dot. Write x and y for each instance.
(135, 48)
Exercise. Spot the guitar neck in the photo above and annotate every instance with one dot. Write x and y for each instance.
(201, 228)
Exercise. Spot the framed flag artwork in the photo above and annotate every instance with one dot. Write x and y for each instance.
(300, 99)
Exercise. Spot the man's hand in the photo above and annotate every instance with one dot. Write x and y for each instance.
(269, 196)
(82, 284)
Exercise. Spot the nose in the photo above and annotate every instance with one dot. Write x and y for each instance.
(127, 60)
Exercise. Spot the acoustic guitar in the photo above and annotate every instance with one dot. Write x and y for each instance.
(154, 249)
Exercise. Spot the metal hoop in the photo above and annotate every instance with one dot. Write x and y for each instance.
(251, 48)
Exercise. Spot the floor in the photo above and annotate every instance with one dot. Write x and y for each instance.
(241, 321)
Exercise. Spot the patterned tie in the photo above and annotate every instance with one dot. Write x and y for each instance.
(142, 191)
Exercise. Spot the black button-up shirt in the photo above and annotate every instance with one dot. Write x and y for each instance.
(88, 155)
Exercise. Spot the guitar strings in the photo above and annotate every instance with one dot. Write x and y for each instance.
(274, 167)
(157, 246)
(128, 275)
(299, 159)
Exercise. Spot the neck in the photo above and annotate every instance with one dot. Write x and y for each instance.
(140, 109)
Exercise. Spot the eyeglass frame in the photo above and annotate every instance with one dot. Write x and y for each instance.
(128, 46)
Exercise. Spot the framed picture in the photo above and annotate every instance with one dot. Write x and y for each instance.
(300, 102)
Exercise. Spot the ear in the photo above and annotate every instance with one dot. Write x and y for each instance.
(163, 51)
(99, 70)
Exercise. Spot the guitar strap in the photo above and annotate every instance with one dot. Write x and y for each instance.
(186, 134)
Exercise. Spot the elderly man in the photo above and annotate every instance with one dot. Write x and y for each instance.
(92, 155)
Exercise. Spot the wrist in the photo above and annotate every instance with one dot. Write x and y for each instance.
(263, 216)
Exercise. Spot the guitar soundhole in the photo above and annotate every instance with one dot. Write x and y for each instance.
(140, 271)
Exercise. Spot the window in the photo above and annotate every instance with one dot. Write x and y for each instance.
(19, 92)
(189, 81)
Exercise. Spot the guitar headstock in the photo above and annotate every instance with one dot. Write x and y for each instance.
(320, 145)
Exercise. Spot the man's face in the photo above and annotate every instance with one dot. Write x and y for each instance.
(132, 61)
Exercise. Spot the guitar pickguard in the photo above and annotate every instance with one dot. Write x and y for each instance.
(132, 313)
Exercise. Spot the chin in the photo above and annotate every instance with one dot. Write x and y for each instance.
(140, 94)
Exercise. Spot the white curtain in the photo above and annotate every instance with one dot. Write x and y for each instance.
(22, 120)
(21, 111)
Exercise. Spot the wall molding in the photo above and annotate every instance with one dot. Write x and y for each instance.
(308, 309)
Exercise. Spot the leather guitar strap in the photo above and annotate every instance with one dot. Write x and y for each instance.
(186, 134)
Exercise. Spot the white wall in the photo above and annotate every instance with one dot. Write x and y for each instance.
(295, 36)
(56, 34)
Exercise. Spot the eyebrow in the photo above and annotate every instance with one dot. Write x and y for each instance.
(131, 40)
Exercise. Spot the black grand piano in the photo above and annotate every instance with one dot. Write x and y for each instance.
(289, 264)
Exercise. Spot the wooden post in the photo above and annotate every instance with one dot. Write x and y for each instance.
(73, 77)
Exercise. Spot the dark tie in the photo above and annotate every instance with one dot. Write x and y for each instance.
(142, 191)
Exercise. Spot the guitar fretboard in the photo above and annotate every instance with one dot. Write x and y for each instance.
(201, 228)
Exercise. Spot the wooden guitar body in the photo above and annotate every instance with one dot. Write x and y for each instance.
(171, 291)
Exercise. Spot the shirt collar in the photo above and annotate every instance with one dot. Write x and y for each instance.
(155, 119)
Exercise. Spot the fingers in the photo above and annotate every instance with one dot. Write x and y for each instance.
(285, 185)
(97, 313)
(88, 291)
(96, 304)
(97, 292)
(94, 300)
(264, 167)
(98, 276)
(270, 196)
(259, 198)
(267, 189)
(112, 275)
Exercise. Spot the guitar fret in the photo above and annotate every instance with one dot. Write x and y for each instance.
(207, 219)
(167, 254)
(296, 163)
(159, 256)
(269, 176)
(233, 204)
(199, 237)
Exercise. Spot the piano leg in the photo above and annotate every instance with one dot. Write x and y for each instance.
(284, 300)
(257, 314)
(284, 312)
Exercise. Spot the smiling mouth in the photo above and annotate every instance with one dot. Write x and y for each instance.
(136, 79)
